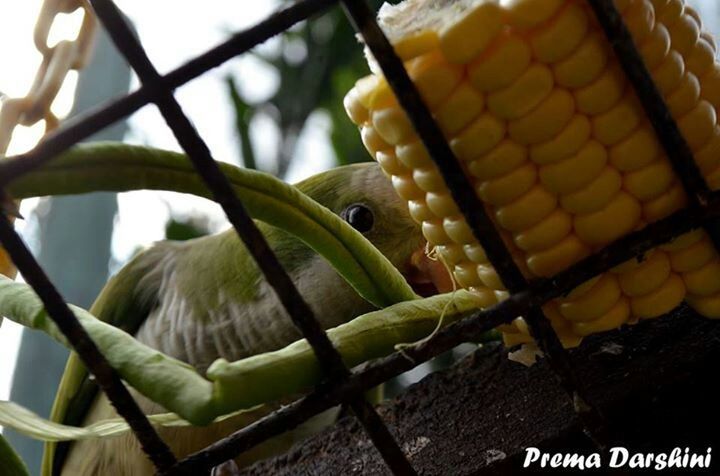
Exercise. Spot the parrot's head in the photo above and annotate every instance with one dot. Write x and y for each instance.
(363, 196)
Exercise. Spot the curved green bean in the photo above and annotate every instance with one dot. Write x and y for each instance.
(106, 166)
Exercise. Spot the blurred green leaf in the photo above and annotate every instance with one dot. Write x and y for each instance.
(318, 63)
(243, 116)
(10, 462)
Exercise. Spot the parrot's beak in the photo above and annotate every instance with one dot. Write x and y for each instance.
(428, 276)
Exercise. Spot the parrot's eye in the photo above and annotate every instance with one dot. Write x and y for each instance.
(359, 217)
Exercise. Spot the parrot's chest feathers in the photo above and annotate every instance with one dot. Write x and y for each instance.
(199, 329)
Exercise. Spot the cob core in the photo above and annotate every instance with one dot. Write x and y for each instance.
(536, 107)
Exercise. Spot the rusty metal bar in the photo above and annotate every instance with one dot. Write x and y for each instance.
(82, 343)
(467, 330)
(666, 129)
(472, 209)
(208, 169)
(84, 125)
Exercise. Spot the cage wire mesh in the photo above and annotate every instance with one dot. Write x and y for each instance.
(344, 386)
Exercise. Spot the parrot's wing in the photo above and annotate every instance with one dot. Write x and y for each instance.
(125, 302)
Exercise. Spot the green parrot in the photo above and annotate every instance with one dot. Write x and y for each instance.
(204, 299)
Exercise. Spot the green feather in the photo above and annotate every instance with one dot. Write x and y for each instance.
(222, 262)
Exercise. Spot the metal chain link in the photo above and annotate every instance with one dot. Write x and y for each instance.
(58, 61)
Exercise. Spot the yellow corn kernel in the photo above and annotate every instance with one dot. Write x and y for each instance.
(478, 138)
(434, 77)
(475, 253)
(708, 306)
(463, 105)
(489, 277)
(372, 140)
(466, 275)
(650, 181)
(458, 230)
(413, 155)
(583, 289)
(689, 11)
(594, 195)
(551, 261)
(523, 95)
(693, 257)
(516, 338)
(616, 124)
(700, 59)
(390, 163)
(668, 74)
(503, 159)
(545, 234)
(467, 36)
(545, 121)
(616, 219)
(573, 173)
(393, 125)
(710, 85)
(374, 92)
(647, 277)
(565, 144)
(484, 297)
(435, 233)
(594, 303)
(614, 318)
(540, 87)
(561, 36)
(441, 204)
(429, 180)
(526, 14)
(406, 187)
(420, 212)
(503, 190)
(669, 12)
(416, 44)
(640, 19)
(663, 206)
(698, 126)
(561, 326)
(661, 301)
(684, 32)
(492, 70)
(682, 100)
(451, 254)
(709, 39)
(355, 110)
(708, 157)
(683, 241)
(704, 281)
(527, 210)
(632, 263)
(584, 65)
(602, 94)
(655, 47)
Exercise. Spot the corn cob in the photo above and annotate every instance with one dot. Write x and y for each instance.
(536, 107)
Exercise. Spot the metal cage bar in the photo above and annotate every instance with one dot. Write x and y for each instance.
(666, 129)
(297, 308)
(106, 377)
(344, 386)
(472, 209)
(468, 329)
